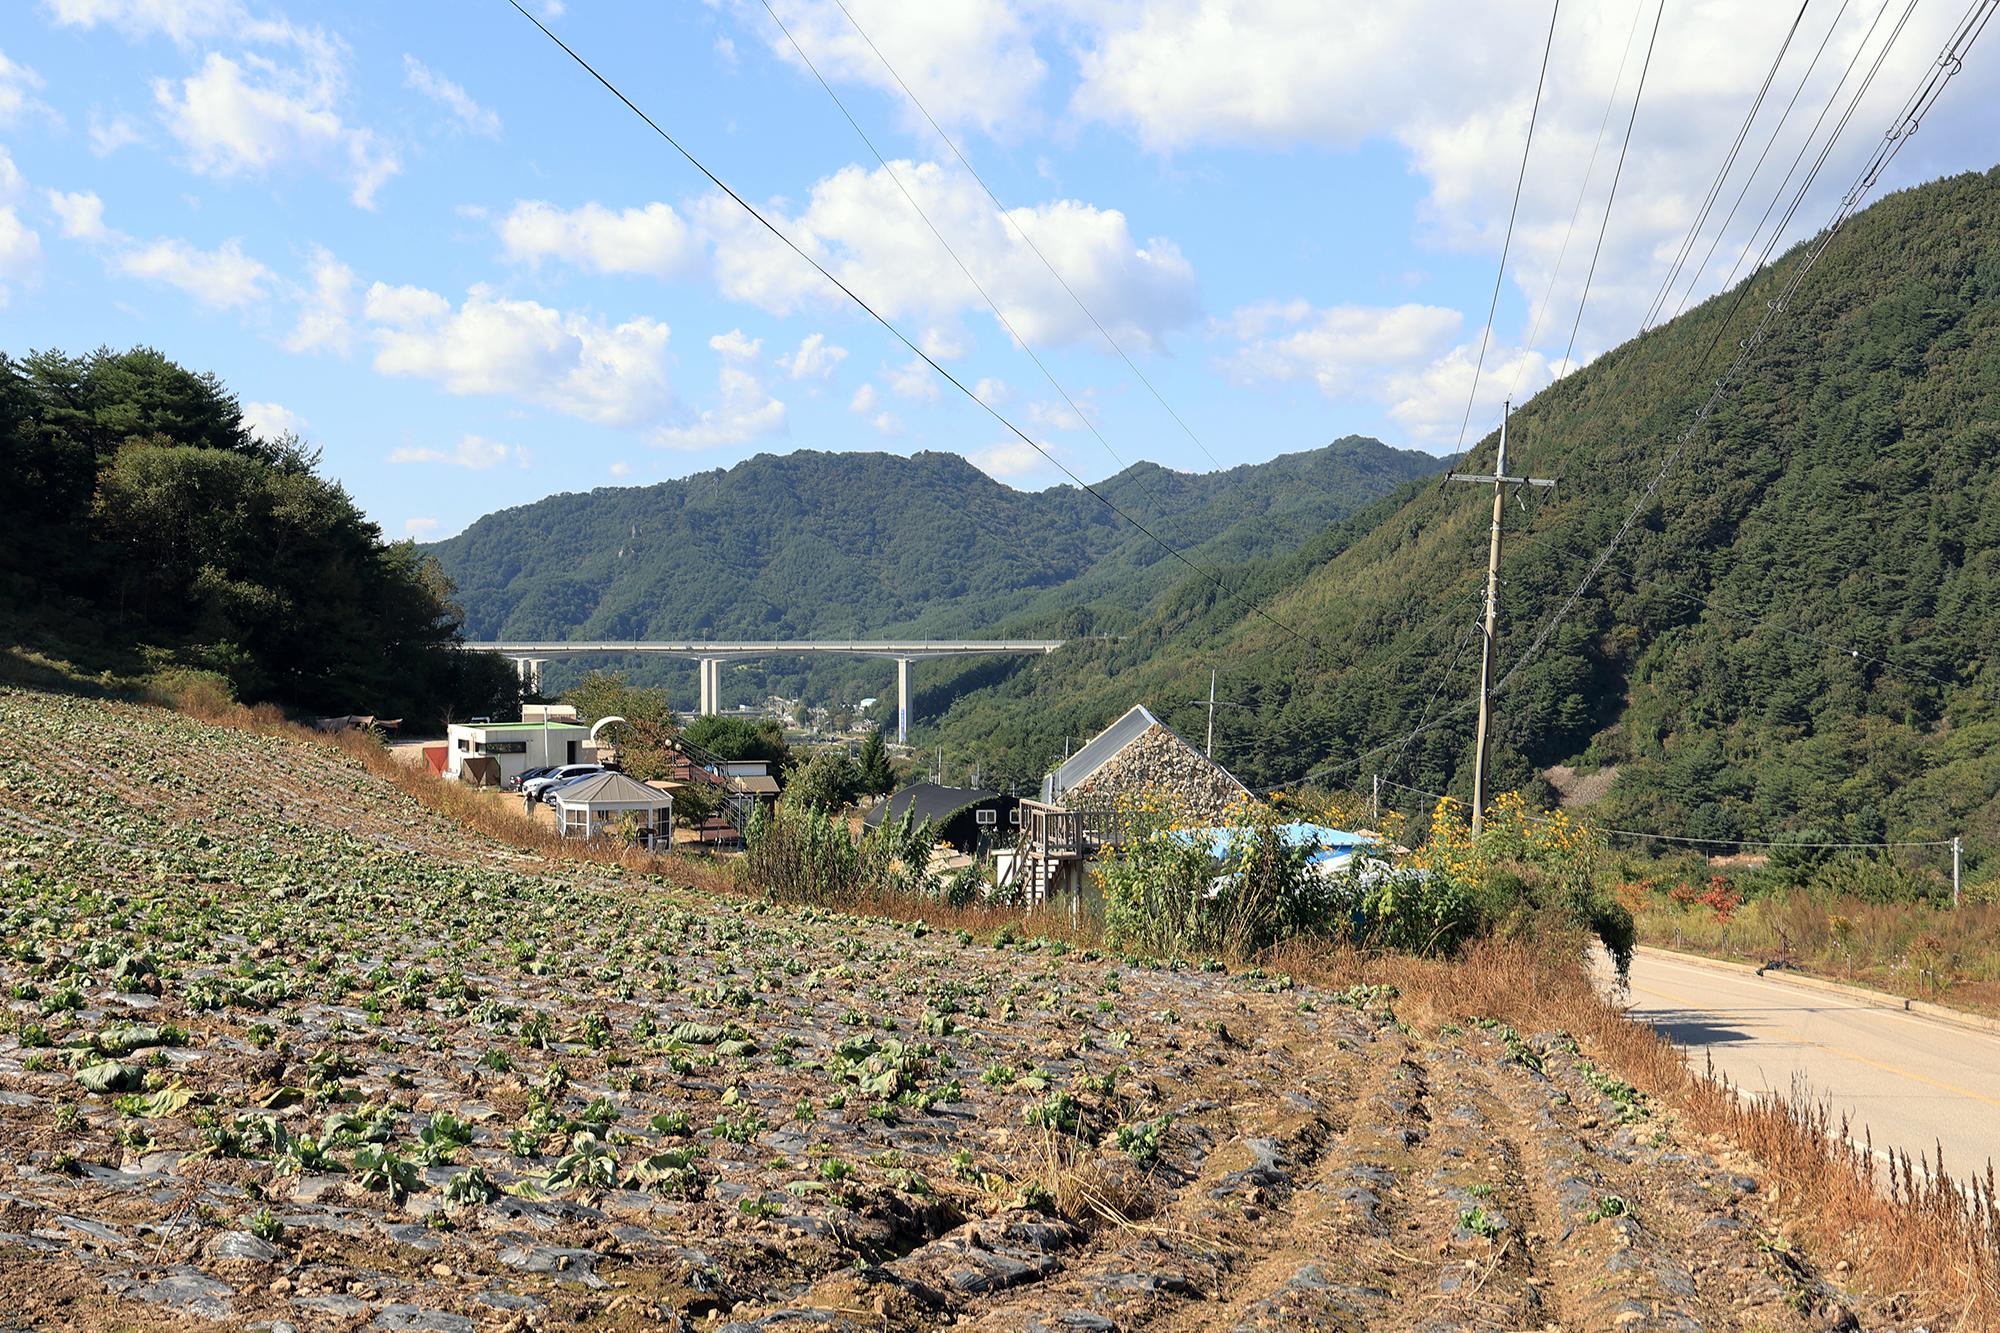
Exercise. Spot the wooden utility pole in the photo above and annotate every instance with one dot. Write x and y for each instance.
(1500, 481)
(1211, 704)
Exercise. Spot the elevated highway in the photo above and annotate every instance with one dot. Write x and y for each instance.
(708, 656)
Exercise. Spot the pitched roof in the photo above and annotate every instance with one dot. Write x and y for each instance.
(1106, 745)
(930, 801)
(1103, 745)
(608, 789)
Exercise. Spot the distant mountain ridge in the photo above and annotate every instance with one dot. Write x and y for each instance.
(825, 545)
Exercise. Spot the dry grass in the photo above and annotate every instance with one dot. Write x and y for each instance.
(1911, 949)
(1910, 1229)
(1914, 1230)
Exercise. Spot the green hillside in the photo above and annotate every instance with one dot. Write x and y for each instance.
(1800, 632)
(815, 545)
(154, 541)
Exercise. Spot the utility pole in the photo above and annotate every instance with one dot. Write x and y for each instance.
(1375, 803)
(1500, 481)
(1211, 704)
(1954, 872)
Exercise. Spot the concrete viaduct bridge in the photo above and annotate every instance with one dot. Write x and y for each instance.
(709, 656)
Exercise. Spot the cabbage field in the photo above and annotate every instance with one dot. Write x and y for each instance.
(285, 1050)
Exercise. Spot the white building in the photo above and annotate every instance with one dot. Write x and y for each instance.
(490, 753)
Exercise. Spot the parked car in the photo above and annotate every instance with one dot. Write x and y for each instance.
(514, 783)
(534, 789)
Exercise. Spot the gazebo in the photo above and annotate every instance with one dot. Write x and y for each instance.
(608, 805)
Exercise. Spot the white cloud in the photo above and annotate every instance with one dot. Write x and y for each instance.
(912, 380)
(449, 95)
(888, 423)
(81, 216)
(992, 392)
(621, 468)
(224, 276)
(865, 399)
(816, 356)
(182, 21)
(614, 376)
(20, 245)
(472, 452)
(1274, 74)
(970, 62)
(747, 412)
(653, 240)
(328, 308)
(107, 137)
(1054, 416)
(861, 227)
(250, 117)
(1429, 401)
(1347, 350)
(270, 421)
(20, 252)
(420, 528)
(18, 84)
(221, 277)
(1013, 460)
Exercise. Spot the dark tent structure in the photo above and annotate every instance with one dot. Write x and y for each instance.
(956, 811)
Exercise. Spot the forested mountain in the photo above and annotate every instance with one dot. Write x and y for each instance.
(1800, 632)
(152, 537)
(816, 545)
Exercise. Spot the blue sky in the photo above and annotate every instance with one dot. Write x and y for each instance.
(422, 238)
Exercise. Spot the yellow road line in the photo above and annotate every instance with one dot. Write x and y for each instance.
(1831, 1050)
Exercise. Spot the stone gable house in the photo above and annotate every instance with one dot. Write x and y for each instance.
(1140, 756)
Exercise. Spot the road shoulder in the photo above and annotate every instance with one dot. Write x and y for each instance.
(1873, 999)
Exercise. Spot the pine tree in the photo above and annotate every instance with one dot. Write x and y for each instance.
(877, 779)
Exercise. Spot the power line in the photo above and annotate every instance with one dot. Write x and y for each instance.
(977, 286)
(1751, 179)
(1798, 198)
(1507, 244)
(1940, 72)
(878, 318)
(1734, 613)
(1832, 100)
(1589, 170)
(1616, 176)
(1053, 272)
(1728, 163)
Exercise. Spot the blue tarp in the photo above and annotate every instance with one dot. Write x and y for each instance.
(1325, 841)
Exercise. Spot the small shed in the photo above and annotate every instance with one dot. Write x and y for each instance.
(605, 805)
(962, 814)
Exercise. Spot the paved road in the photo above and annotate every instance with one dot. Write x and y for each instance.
(1912, 1081)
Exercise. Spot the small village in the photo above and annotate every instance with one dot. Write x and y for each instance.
(1026, 850)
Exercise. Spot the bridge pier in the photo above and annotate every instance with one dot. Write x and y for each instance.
(903, 700)
(711, 684)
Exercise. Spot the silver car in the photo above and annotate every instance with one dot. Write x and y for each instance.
(534, 788)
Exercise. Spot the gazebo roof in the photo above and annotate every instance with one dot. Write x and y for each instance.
(603, 790)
